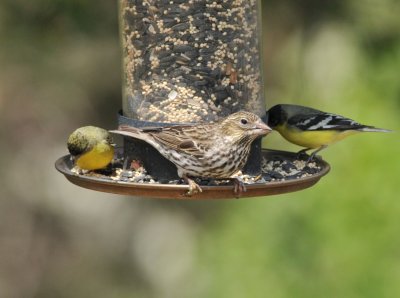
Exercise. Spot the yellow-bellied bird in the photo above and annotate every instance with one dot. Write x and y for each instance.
(311, 128)
(91, 148)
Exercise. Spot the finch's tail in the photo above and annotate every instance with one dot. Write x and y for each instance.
(373, 129)
(130, 131)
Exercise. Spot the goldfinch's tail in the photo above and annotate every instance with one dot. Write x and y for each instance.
(373, 129)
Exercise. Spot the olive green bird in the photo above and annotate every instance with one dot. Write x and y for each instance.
(91, 148)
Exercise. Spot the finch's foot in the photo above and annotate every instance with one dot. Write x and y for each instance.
(193, 187)
(239, 187)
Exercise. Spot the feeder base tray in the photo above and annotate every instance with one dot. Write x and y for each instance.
(277, 185)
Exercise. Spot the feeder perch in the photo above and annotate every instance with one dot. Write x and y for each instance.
(188, 62)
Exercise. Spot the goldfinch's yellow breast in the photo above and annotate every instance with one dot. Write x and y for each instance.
(97, 158)
(312, 139)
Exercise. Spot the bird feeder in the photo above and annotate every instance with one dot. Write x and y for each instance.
(188, 62)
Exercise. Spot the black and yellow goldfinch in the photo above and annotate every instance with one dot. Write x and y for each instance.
(91, 148)
(311, 128)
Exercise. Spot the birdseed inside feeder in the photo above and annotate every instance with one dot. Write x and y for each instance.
(191, 61)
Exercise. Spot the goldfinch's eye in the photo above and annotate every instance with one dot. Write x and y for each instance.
(243, 121)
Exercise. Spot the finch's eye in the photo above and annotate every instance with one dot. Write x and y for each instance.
(243, 121)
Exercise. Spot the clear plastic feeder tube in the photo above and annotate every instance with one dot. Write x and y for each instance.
(191, 61)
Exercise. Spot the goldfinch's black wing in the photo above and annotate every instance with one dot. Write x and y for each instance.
(324, 121)
(78, 144)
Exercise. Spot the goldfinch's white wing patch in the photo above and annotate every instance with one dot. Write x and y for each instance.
(324, 121)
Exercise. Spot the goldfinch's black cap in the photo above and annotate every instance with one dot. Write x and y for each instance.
(276, 116)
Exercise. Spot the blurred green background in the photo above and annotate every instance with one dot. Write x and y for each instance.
(60, 69)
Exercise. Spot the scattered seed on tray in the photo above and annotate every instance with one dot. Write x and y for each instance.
(274, 169)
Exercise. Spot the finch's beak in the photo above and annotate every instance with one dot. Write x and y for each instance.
(262, 129)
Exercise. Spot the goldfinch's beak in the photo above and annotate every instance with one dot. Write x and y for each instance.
(109, 142)
(266, 117)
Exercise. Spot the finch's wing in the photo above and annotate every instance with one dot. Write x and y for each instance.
(323, 121)
(182, 138)
(188, 139)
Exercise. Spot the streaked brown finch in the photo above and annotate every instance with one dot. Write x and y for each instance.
(208, 150)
